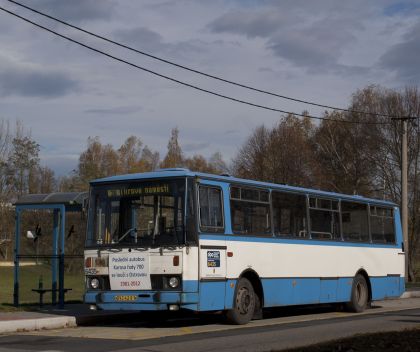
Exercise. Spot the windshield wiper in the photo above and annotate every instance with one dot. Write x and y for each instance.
(133, 229)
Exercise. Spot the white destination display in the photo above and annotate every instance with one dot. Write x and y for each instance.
(129, 271)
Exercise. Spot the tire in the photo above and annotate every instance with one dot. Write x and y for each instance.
(258, 312)
(243, 303)
(359, 295)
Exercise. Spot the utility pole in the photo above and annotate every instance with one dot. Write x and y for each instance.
(404, 188)
(404, 200)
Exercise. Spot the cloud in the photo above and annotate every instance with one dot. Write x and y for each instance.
(316, 46)
(120, 110)
(230, 132)
(401, 8)
(194, 147)
(312, 50)
(141, 37)
(256, 23)
(75, 10)
(403, 57)
(313, 44)
(144, 39)
(30, 81)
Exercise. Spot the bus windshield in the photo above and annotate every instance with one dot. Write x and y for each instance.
(143, 214)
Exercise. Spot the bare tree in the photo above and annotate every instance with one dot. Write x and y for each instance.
(149, 160)
(366, 159)
(22, 158)
(342, 151)
(174, 157)
(283, 154)
(251, 160)
(386, 157)
(42, 180)
(129, 155)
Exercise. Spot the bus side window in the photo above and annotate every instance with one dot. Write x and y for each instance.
(324, 219)
(211, 209)
(289, 215)
(382, 225)
(250, 211)
(354, 217)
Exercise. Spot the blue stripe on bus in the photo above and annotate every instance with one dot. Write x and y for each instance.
(239, 238)
(132, 306)
(212, 295)
(230, 293)
(295, 291)
(219, 295)
(386, 287)
(281, 292)
(308, 290)
(190, 285)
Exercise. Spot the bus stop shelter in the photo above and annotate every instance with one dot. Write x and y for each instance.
(59, 204)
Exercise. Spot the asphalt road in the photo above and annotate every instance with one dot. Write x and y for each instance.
(282, 329)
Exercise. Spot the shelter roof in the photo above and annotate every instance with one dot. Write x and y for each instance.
(65, 198)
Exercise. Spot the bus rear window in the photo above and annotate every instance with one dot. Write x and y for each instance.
(382, 225)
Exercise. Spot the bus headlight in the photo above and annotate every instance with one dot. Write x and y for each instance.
(173, 282)
(94, 283)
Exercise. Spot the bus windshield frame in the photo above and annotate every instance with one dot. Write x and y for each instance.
(138, 213)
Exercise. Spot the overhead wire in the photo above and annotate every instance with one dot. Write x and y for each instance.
(182, 82)
(184, 67)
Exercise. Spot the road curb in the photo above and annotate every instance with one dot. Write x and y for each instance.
(37, 324)
(29, 323)
(23, 324)
(411, 294)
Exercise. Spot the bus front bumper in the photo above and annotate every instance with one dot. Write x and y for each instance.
(141, 300)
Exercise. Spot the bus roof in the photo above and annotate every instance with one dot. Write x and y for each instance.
(181, 172)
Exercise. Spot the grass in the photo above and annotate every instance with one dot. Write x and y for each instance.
(29, 279)
(415, 284)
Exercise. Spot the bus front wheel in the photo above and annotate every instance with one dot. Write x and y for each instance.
(359, 295)
(243, 304)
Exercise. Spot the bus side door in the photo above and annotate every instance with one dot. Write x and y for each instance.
(212, 245)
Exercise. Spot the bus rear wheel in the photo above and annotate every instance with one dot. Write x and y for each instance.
(359, 295)
(243, 304)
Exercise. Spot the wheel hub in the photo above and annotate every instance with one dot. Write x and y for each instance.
(243, 301)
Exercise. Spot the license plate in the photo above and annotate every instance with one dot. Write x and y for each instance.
(125, 298)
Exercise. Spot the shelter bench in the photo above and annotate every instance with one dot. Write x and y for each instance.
(42, 291)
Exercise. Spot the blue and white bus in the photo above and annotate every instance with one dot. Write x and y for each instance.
(176, 239)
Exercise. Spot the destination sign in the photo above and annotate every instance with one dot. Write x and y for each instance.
(139, 191)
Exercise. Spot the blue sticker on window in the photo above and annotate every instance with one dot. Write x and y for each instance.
(213, 259)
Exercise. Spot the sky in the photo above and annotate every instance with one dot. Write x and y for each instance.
(319, 50)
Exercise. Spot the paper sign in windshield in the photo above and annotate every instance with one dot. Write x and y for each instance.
(129, 271)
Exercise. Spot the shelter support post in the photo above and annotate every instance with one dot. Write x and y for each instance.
(16, 259)
(54, 259)
(61, 259)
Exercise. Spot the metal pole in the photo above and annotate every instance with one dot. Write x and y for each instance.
(17, 250)
(54, 258)
(404, 199)
(61, 259)
(37, 251)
